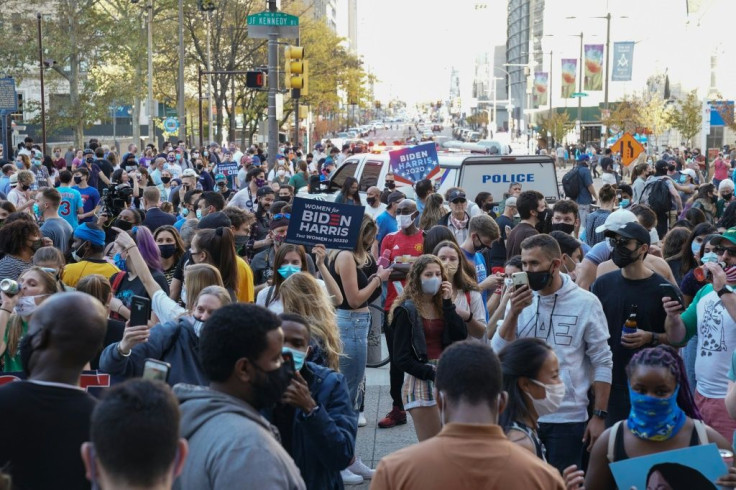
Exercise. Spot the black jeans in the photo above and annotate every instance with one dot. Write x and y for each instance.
(564, 443)
(619, 405)
(396, 375)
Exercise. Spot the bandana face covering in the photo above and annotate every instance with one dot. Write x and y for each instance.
(655, 419)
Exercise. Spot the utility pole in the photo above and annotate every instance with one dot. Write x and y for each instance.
(273, 58)
(549, 90)
(608, 51)
(180, 103)
(580, 90)
(209, 78)
(151, 130)
(43, 92)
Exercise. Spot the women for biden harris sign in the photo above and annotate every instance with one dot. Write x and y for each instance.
(330, 224)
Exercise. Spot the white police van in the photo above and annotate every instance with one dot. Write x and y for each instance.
(473, 173)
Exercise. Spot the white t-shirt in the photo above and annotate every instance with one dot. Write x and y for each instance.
(165, 308)
(374, 212)
(608, 178)
(276, 305)
(476, 304)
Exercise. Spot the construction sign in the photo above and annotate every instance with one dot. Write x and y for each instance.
(628, 148)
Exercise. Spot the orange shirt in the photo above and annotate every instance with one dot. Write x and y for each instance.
(466, 456)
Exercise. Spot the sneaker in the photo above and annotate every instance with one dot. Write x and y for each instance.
(362, 422)
(359, 468)
(393, 418)
(350, 478)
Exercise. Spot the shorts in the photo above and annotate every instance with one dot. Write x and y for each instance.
(715, 414)
(418, 392)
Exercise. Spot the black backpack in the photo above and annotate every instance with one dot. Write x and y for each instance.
(571, 183)
(659, 197)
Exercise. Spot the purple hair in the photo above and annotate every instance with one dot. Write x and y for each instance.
(148, 248)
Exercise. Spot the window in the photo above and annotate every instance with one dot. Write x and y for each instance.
(341, 174)
(371, 172)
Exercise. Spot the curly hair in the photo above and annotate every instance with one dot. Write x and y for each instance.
(13, 236)
(413, 288)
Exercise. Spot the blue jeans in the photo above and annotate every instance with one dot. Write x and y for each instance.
(564, 443)
(353, 327)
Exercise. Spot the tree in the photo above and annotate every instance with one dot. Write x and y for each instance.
(655, 117)
(626, 116)
(557, 125)
(686, 116)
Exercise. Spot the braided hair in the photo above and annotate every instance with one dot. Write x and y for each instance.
(667, 357)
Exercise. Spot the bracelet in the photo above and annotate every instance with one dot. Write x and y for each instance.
(132, 246)
(5, 309)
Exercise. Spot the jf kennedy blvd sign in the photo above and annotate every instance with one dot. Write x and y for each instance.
(330, 224)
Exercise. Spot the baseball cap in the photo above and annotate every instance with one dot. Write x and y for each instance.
(583, 157)
(87, 151)
(616, 221)
(689, 172)
(634, 230)
(13, 180)
(214, 220)
(456, 195)
(511, 202)
(395, 196)
(256, 161)
(264, 191)
(189, 173)
(661, 165)
(728, 235)
(220, 178)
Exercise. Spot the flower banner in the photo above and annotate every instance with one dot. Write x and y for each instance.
(569, 77)
(540, 89)
(593, 67)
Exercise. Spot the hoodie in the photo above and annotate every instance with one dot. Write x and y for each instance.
(231, 445)
(578, 333)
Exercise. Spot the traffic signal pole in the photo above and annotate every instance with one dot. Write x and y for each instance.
(273, 58)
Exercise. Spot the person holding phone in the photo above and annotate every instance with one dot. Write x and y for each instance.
(424, 322)
(618, 291)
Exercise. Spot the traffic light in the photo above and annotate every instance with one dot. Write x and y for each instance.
(296, 68)
(255, 79)
(206, 5)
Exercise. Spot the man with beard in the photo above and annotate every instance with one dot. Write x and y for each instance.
(231, 445)
(46, 418)
(260, 233)
(533, 212)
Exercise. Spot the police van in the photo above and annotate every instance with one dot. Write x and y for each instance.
(474, 173)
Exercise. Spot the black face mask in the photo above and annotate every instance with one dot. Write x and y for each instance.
(25, 350)
(622, 257)
(167, 250)
(542, 225)
(487, 206)
(25, 187)
(563, 227)
(726, 197)
(391, 185)
(271, 386)
(199, 166)
(165, 180)
(77, 180)
(123, 225)
(540, 279)
(480, 247)
(370, 200)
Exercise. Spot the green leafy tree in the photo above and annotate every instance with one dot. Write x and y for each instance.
(557, 125)
(686, 116)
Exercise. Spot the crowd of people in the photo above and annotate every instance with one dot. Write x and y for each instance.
(531, 343)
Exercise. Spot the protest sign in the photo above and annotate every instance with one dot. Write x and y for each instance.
(91, 381)
(693, 467)
(228, 169)
(330, 224)
(410, 165)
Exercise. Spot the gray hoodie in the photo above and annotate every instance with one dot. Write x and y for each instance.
(572, 322)
(231, 446)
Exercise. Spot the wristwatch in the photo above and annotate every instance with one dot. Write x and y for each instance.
(655, 340)
(600, 413)
(724, 290)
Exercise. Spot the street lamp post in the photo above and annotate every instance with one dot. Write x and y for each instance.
(43, 91)
(151, 131)
(180, 103)
(580, 89)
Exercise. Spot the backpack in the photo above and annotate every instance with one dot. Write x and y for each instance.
(659, 198)
(571, 183)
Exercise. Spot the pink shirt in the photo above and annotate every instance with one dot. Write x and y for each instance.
(721, 169)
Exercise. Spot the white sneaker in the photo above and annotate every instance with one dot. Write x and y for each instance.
(350, 478)
(362, 422)
(359, 468)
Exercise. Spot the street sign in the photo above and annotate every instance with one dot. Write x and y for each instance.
(579, 94)
(171, 124)
(8, 95)
(628, 148)
(263, 24)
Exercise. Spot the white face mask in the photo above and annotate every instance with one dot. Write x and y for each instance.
(197, 324)
(26, 305)
(552, 400)
(404, 221)
(431, 285)
(281, 172)
(183, 294)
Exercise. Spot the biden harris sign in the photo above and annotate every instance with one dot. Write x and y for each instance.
(330, 224)
(410, 165)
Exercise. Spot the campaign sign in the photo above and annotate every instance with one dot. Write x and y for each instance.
(228, 169)
(330, 224)
(91, 381)
(410, 165)
(692, 467)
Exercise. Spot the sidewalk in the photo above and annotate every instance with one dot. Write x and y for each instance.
(373, 443)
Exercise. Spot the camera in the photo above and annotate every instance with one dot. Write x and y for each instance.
(115, 197)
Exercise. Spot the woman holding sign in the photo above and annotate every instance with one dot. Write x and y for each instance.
(663, 417)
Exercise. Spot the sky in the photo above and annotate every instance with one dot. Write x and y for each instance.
(412, 45)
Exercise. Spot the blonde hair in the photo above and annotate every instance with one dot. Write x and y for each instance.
(97, 286)
(413, 288)
(218, 292)
(433, 211)
(302, 295)
(196, 278)
(15, 322)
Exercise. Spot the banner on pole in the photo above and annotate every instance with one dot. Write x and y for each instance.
(593, 67)
(623, 61)
(541, 80)
(569, 77)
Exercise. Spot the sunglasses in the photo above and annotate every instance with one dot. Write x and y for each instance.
(281, 216)
(221, 184)
(721, 250)
(620, 241)
(460, 201)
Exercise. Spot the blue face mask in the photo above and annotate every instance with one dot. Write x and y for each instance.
(287, 270)
(119, 261)
(199, 214)
(695, 247)
(184, 212)
(655, 419)
(625, 203)
(299, 357)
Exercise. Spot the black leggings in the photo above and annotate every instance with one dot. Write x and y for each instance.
(396, 375)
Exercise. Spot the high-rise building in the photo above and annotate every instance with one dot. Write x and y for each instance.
(326, 10)
(353, 25)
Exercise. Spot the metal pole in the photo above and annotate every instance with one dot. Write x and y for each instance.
(43, 91)
(273, 129)
(608, 50)
(295, 98)
(580, 90)
(181, 109)
(151, 130)
(199, 91)
(232, 114)
(209, 78)
(549, 90)
(114, 126)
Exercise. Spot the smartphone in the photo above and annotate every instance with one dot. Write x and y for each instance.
(156, 370)
(140, 310)
(289, 360)
(519, 279)
(668, 290)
